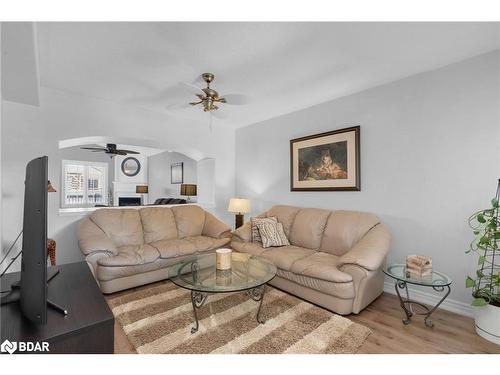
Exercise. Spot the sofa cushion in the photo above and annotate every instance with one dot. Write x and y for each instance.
(189, 219)
(131, 255)
(321, 266)
(188, 245)
(158, 223)
(107, 273)
(248, 247)
(308, 226)
(344, 229)
(123, 226)
(339, 290)
(284, 257)
(285, 215)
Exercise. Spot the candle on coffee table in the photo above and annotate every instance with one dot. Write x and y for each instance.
(223, 259)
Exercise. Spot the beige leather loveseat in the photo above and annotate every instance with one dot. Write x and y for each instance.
(128, 247)
(335, 258)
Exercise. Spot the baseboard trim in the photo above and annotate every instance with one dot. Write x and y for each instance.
(431, 299)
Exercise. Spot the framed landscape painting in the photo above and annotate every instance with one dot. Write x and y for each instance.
(326, 162)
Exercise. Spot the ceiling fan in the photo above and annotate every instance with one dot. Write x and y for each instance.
(210, 99)
(110, 149)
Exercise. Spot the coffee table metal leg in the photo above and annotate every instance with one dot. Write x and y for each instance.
(257, 294)
(197, 299)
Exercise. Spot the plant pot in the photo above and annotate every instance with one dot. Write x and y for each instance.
(488, 322)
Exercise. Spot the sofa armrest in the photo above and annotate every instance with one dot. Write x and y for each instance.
(93, 258)
(370, 252)
(243, 233)
(91, 239)
(215, 228)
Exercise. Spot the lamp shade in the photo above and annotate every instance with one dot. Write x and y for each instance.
(188, 189)
(50, 188)
(239, 205)
(141, 189)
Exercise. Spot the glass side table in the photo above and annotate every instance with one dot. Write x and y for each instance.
(436, 280)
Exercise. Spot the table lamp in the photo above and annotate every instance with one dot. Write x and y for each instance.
(240, 207)
(188, 189)
(50, 188)
(142, 189)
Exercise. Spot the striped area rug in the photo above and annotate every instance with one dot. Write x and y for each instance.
(158, 318)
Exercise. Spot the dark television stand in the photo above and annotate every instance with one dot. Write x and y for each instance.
(14, 295)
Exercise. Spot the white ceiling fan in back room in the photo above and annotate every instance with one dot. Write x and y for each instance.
(209, 100)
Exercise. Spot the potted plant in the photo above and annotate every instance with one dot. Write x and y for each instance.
(485, 283)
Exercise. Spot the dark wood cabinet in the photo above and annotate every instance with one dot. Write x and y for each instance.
(88, 327)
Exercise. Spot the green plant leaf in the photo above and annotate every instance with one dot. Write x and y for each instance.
(481, 260)
(479, 273)
(497, 235)
(479, 302)
(476, 232)
(480, 218)
(494, 203)
(469, 282)
(484, 240)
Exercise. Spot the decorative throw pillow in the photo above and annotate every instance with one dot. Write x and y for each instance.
(255, 230)
(272, 234)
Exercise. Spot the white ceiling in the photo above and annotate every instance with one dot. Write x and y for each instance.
(283, 66)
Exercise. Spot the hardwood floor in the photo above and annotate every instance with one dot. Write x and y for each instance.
(451, 333)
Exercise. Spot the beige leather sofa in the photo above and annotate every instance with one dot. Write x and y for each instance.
(335, 258)
(128, 247)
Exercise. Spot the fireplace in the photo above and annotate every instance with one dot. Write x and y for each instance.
(129, 201)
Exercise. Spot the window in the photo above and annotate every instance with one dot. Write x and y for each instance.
(84, 184)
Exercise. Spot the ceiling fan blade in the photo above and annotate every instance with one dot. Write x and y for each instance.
(237, 99)
(129, 151)
(119, 152)
(93, 148)
(191, 88)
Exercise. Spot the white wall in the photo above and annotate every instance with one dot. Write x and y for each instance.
(28, 132)
(206, 182)
(429, 158)
(159, 175)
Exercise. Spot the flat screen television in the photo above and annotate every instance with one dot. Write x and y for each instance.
(33, 286)
(31, 289)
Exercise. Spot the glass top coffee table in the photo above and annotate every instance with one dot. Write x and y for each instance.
(436, 280)
(248, 273)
